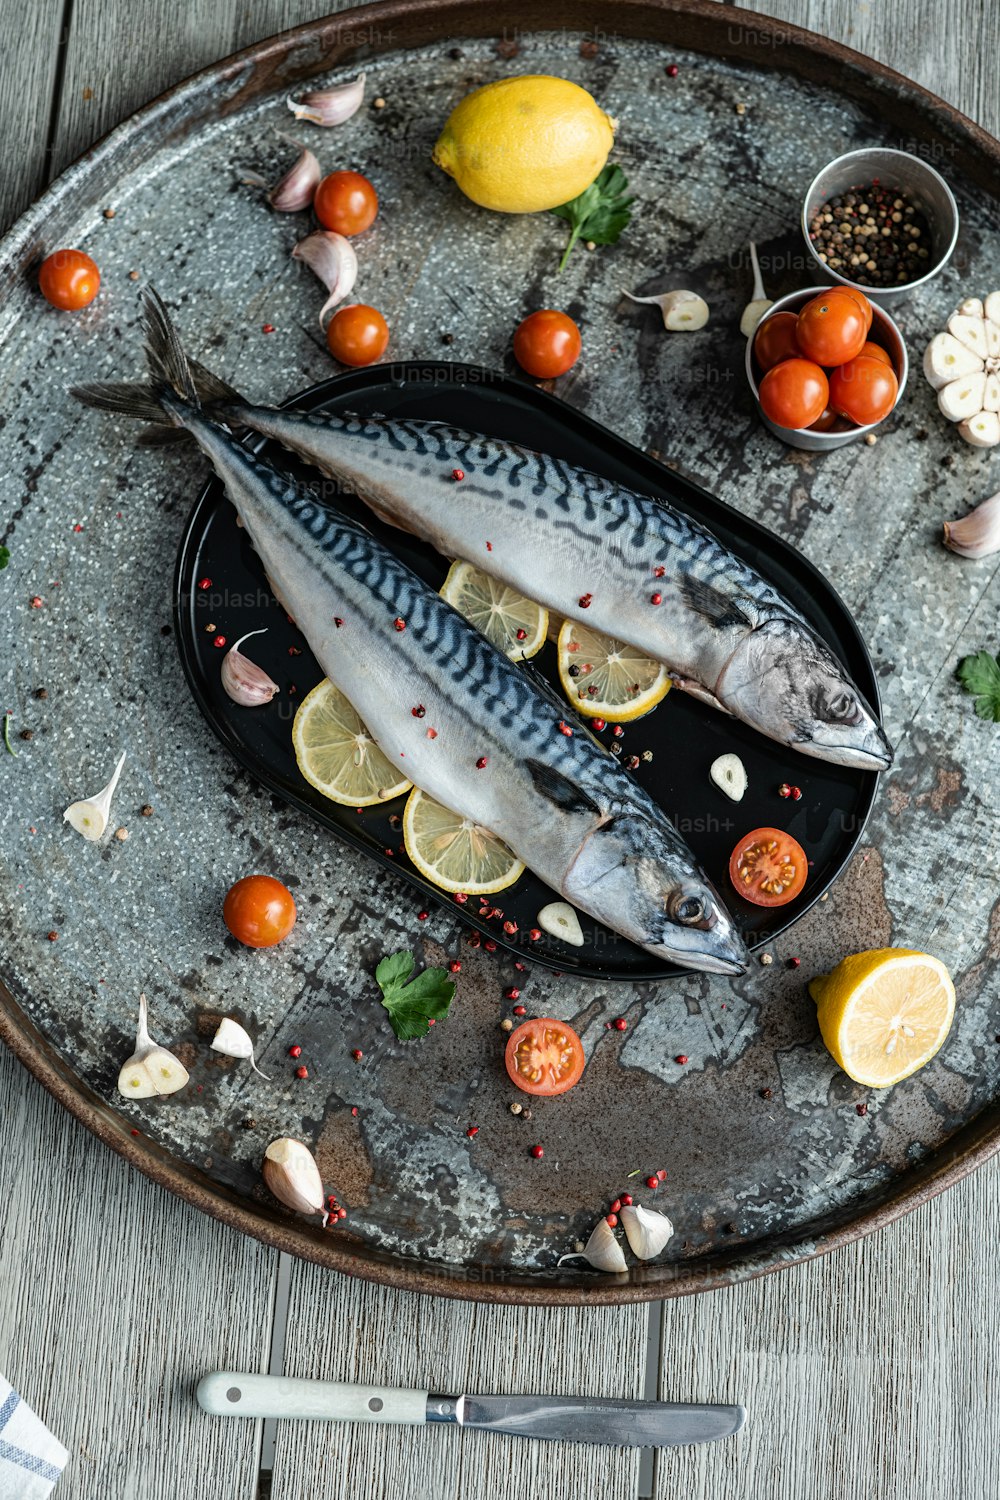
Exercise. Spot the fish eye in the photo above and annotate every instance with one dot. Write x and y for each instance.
(842, 706)
(687, 909)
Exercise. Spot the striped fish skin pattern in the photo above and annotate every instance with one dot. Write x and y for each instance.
(592, 550)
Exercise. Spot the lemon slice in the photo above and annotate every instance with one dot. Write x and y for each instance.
(609, 680)
(497, 611)
(337, 755)
(454, 852)
(884, 1013)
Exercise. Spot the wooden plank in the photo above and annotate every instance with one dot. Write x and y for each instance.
(31, 37)
(117, 1298)
(350, 1330)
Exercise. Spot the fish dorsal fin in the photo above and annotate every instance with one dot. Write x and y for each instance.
(560, 790)
(717, 608)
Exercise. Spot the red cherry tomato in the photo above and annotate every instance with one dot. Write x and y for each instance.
(547, 344)
(794, 393)
(768, 867)
(357, 335)
(825, 421)
(259, 911)
(69, 279)
(544, 1057)
(831, 329)
(775, 340)
(345, 202)
(857, 296)
(864, 390)
(875, 351)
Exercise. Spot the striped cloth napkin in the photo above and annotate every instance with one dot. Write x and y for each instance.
(31, 1459)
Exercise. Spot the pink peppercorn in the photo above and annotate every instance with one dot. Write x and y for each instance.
(627, 1199)
(302, 1072)
(357, 1054)
(612, 1220)
(458, 474)
(220, 641)
(620, 1024)
(454, 966)
(681, 1058)
(295, 1051)
(537, 1152)
(652, 1182)
(520, 1010)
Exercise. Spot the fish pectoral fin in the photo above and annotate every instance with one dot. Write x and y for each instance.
(699, 691)
(713, 605)
(560, 790)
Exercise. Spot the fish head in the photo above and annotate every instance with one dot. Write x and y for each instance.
(786, 682)
(633, 874)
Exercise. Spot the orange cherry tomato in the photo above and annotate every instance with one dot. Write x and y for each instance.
(831, 329)
(547, 344)
(345, 202)
(69, 279)
(875, 351)
(857, 296)
(794, 393)
(775, 340)
(259, 911)
(544, 1057)
(768, 867)
(864, 390)
(357, 335)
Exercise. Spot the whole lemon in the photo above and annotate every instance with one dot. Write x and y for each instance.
(522, 145)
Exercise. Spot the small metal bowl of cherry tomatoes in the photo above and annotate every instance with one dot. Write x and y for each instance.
(826, 366)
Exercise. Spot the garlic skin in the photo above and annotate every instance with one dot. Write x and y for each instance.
(963, 366)
(291, 1173)
(330, 106)
(560, 920)
(90, 817)
(682, 312)
(233, 1041)
(646, 1230)
(332, 257)
(755, 309)
(243, 681)
(978, 533)
(602, 1250)
(296, 189)
(151, 1069)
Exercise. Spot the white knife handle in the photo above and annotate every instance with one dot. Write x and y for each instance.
(226, 1394)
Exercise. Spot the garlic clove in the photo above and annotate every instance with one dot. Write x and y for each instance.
(291, 1173)
(962, 398)
(243, 681)
(991, 393)
(330, 106)
(602, 1250)
(982, 431)
(559, 920)
(90, 817)
(296, 189)
(970, 332)
(991, 307)
(992, 339)
(978, 533)
(646, 1230)
(730, 776)
(682, 312)
(945, 359)
(972, 307)
(758, 306)
(151, 1069)
(334, 261)
(233, 1041)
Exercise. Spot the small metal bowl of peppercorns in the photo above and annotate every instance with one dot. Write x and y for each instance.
(813, 394)
(880, 219)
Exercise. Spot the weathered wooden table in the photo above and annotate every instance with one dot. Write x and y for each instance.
(867, 1373)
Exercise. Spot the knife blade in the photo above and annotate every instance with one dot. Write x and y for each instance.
(574, 1419)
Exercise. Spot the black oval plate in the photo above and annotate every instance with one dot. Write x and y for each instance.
(683, 735)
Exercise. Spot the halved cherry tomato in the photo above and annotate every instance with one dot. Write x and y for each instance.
(831, 329)
(345, 202)
(69, 279)
(858, 296)
(768, 867)
(259, 911)
(775, 340)
(865, 390)
(357, 335)
(875, 351)
(547, 343)
(544, 1057)
(794, 393)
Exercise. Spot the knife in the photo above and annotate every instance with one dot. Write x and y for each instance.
(574, 1419)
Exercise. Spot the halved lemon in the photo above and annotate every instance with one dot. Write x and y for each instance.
(454, 852)
(606, 678)
(884, 1013)
(497, 611)
(337, 755)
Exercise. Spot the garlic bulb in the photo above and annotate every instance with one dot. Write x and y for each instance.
(90, 817)
(730, 776)
(243, 681)
(296, 189)
(559, 920)
(963, 366)
(233, 1041)
(602, 1250)
(758, 306)
(291, 1173)
(978, 533)
(683, 312)
(646, 1230)
(332, 257)
(151, 1069)
(330, 106)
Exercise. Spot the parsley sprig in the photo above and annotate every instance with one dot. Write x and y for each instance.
(599, 213)
(980, 675)
(413, 1005)
(4, 556)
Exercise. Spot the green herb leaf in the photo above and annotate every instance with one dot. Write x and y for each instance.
(6, 737)
(980, 675)
(4, 557)
(599, 213)
(412, 1006)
